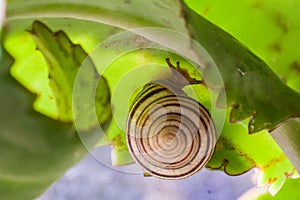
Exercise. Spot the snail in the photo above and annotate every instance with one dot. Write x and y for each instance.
(169, 134)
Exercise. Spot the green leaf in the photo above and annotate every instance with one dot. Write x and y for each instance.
(44, 148)
(124, 82)
(21, 45)
(252, 89)
(136, 13)
(237, 152)
(269, 28)
(64, 60)
(290, 190)
(239, 68)
(35, 150)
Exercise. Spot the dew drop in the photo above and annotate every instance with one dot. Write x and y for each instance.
(242, 73)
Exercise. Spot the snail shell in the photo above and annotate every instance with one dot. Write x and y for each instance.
(170, 135)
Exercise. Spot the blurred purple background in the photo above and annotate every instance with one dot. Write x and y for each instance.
(93, 180)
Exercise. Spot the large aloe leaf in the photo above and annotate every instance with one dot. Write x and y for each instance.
(247, 78)
(269, 28)
(238, 66)
(32, 146)
(36, 150)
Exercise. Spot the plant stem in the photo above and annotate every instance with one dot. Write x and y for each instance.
(287, 136)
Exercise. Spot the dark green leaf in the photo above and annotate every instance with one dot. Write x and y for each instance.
(35, 150)
(252, 88)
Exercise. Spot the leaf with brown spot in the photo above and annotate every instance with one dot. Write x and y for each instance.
(237, 152)
(290, 190)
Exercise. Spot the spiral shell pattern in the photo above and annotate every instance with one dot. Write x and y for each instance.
(170, 135)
